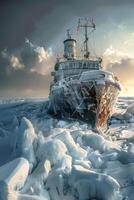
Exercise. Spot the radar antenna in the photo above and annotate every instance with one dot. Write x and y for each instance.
(85, 23)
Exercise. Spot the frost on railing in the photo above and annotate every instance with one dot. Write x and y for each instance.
(92, 58)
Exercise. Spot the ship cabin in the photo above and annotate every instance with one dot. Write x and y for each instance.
(74, 68)
(71, 65)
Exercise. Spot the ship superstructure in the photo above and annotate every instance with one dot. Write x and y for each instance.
(81, 88)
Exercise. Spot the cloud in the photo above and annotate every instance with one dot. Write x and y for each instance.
(25, 72)
(36, 58)
(122, 65)
(10, 60)
(46, 19)
(15, 63)
(25, 68)
(112, 56)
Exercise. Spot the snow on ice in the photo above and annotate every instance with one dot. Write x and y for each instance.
(43, 158)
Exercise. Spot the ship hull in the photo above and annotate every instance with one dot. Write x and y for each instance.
(88, 99)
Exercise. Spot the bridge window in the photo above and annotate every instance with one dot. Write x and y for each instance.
(94, 65)
(88, 64)
(70, 64)
(80, 64)
(84, 64)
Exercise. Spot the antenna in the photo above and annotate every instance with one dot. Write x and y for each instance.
(85, 23)
(68, 34)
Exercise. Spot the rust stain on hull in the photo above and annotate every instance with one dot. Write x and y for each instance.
(106, 101)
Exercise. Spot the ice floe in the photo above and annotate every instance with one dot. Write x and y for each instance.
(43, 158)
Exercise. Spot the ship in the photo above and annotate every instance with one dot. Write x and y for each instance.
(81, 88)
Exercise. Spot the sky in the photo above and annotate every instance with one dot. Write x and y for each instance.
(32, 34)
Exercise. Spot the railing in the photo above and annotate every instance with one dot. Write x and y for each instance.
(80, 58)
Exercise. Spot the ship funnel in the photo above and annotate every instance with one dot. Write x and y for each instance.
(69, 47)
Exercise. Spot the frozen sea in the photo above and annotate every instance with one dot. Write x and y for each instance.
(42, 158)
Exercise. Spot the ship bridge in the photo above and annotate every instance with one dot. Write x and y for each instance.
(75, 67)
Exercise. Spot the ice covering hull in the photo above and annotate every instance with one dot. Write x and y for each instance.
(87, 98)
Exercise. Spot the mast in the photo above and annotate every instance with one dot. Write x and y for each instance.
(68, 34)
(86, 24)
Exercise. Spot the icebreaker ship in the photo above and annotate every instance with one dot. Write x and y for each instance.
(81, 88)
